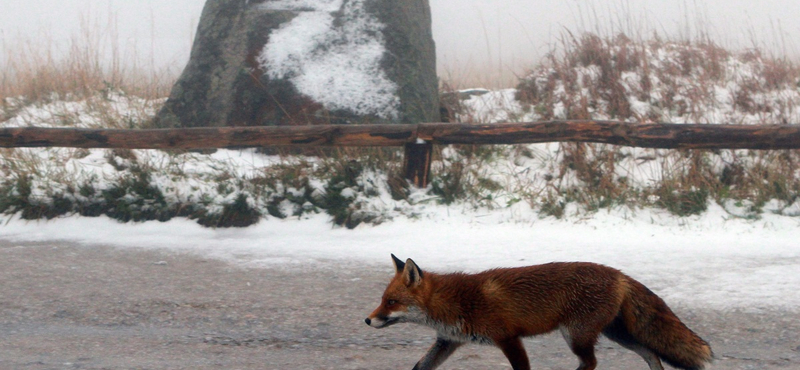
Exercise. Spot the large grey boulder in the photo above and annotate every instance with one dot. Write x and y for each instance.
(297, 62)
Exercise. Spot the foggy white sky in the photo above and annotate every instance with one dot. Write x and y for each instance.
(478, 41)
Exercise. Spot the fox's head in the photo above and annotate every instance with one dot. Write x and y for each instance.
(401, 300)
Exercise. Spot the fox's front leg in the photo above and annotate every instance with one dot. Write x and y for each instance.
(515, 353)
(439, 351)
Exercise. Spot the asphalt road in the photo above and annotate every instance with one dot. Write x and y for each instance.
(67, 306)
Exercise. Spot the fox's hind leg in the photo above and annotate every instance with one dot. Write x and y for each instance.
(582, 346)
(652, 359)
(617, 332)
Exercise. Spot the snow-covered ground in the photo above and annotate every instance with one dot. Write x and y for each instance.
(708, 261)
(719, 259)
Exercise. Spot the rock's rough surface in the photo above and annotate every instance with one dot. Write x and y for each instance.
(297, 62)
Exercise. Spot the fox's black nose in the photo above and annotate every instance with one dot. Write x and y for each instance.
(368, 321)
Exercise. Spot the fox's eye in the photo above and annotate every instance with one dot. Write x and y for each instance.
(391, 302)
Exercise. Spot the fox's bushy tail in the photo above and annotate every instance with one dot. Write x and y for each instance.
(652, 324)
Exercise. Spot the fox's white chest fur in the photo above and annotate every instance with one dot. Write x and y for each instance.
(454, 333)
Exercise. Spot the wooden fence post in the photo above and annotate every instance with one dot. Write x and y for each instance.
(417, 163)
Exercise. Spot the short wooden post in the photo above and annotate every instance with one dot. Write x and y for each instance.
(417, 163)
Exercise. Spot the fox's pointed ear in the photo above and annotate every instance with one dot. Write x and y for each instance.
(398, 264)
(412, 275)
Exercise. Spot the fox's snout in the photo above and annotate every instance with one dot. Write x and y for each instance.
(380, 321)
(376, 322)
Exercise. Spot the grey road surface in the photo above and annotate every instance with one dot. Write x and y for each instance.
(68, 306)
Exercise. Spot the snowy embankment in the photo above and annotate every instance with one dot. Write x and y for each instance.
(732, 247)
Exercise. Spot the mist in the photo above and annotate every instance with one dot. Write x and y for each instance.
(479, 42)
(490, 42)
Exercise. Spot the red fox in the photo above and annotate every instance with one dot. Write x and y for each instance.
(500, 306)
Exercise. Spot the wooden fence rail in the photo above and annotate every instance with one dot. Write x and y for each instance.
(417, 139)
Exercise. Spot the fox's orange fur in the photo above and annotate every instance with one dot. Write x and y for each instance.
(500, 306)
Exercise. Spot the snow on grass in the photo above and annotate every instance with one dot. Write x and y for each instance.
(108, 109)
(663, 81)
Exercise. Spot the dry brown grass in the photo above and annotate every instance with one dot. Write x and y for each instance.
(590, 77)
(39, 68)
